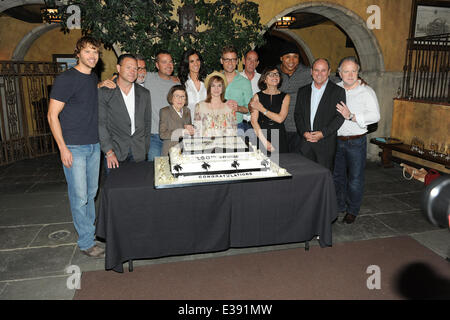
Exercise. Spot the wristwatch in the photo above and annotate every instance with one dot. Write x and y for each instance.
(265, 112)
(351, 116)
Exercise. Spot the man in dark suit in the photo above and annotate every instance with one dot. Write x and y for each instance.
(316, 117)
(124, 116)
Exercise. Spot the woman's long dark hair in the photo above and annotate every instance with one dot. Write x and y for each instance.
(183, 69)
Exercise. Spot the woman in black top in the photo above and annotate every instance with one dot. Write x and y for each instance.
(269, 109)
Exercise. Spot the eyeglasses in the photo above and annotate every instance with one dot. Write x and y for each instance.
(273, 74)
(226, 60)
(141, 68)
(179, 97)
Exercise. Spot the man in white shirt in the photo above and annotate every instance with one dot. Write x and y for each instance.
(124, 116)
(360, 110)
(251, 62)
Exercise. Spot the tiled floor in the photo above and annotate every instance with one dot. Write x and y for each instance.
(38, 240)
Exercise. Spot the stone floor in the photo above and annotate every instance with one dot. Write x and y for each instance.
(38, 240)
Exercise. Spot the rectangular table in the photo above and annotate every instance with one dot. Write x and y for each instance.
(140, 222)
(386, 154)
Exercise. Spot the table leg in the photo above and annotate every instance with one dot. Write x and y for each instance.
(386, 158)
(130, 265)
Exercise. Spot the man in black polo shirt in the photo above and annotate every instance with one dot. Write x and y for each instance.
(73, 119)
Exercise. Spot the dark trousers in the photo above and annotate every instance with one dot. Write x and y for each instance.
(293, 139)
(322, 158)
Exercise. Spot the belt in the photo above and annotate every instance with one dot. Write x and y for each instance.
(245, 121)
(346, 138)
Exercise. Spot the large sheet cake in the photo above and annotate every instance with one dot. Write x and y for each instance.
(197, 155)
(216, 160)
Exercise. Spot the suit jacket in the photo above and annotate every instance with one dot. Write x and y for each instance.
(115, 123)
(169, 121)
(327, 119)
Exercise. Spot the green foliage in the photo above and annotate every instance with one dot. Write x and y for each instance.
(227, 23)
(146, 26)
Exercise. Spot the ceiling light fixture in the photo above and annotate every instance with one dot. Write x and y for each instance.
(285, 22)
(51, 15)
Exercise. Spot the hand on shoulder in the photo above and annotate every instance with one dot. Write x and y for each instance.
(109, 83)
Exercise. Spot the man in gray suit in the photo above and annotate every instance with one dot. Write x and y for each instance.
(124, 116)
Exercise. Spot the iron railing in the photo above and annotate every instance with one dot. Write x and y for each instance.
(426, 70)
(24, 98)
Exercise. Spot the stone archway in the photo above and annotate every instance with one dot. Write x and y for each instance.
(366, 44)
(300, 41)
(27, 41)
(369, 53)
(8, 4)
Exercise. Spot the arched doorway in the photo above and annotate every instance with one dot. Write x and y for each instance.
(8, 4)
(24, 91)
(357, 37)
(27, 41)
(365, 43)
(269, 52)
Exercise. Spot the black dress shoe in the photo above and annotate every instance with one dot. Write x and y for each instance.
(349, 218)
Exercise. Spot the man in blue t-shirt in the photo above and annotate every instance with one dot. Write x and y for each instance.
(73, 119)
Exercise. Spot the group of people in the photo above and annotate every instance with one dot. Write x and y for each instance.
(139, 115)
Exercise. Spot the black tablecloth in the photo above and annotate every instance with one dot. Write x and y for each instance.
(138, 221)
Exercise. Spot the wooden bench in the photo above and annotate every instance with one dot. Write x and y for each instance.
(387, 158)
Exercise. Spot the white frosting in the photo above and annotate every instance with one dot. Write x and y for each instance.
(164, 178)
(194, 155)
(202, 144)
(186, 168)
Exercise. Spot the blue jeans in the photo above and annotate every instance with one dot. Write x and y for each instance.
(155, 147)
(348, 174)
(82, 183)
